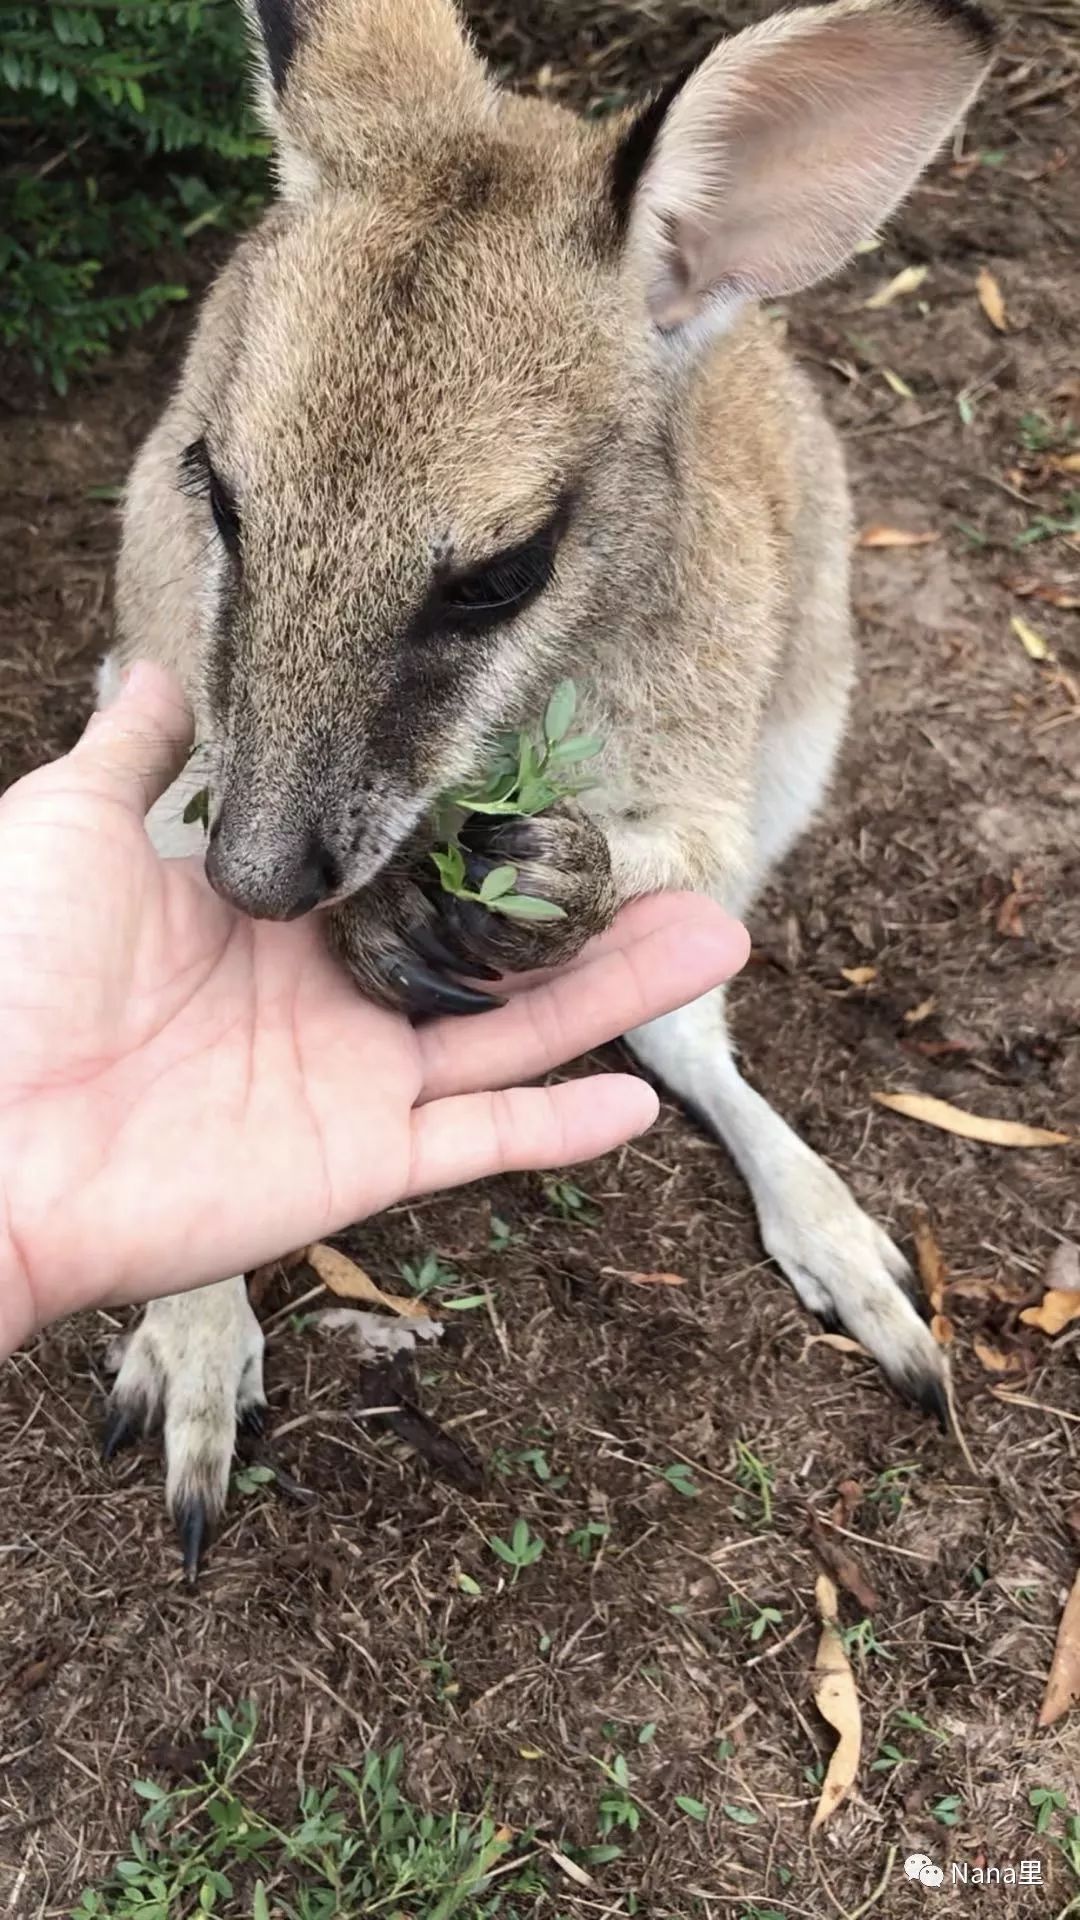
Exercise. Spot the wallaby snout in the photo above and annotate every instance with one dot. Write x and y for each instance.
(271, 875)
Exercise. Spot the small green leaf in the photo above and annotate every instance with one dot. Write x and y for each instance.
(742, 1816)
(198, 809)
(149, 1790)
(469, 1585)
(693, 1807)
(260, 1905)
(524, 906)
(536, 796)
(499, 881)
(648, 1733)
(466, 1304)
(584, 747)
(504, 1552)
(560, 712)
(450, 864)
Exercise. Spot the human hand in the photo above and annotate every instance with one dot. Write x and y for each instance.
(185, 1092)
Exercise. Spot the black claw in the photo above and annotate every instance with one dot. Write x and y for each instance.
(429, 946)
(122, 1428)
(190, 1517)
(828, 1321)
(421, 990)
(253, 1419)
(929, 1394)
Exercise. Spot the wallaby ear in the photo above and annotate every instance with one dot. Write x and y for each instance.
(787, 146)
(339, 81)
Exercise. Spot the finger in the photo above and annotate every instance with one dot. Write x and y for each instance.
(479, 1134)
(633, 922)
(659, 955)
(136, 746)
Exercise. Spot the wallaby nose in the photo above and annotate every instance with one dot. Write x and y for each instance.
(275, 884)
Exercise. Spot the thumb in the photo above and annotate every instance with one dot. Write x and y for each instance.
(137, 745)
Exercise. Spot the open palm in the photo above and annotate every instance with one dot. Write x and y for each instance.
(185, 1092)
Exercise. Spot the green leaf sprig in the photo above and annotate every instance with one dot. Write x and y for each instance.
(529, 771)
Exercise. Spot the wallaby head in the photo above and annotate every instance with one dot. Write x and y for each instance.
(442, 395)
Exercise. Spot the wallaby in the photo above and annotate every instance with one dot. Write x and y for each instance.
(483, 401)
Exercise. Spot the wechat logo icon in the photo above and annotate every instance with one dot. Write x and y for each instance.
(920, 1867)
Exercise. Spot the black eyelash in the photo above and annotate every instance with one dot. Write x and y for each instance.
(503, 587)
(199, 480)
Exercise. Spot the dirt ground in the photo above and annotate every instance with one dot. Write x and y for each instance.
(947, 864)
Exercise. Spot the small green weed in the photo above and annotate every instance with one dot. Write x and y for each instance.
(680, 1478)
(251, 1479)
(1039, 434)
(567, 1200)
(588, 1540)
(1047, 1801)
(757, 1479)
(522, 1549)
(948, 1811)
(431, 1275)
(1047, 526)
(754, 1621)
(428, 1274)
(618, 1807)
(502, 1235)
(890, 1490)
(355, 1847)
(862, 1641)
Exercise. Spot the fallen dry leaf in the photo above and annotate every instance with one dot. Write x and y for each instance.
(1057, 1309)
(1063, 1686)
(899, 387)
(1035, 645)
(992, 1360)
(842, 1567)
(1009, 1292)
(1053, 596)
(838, 1703)
(971, 1126)
(1064, 462)
(922, 1012)
(839, 1342)
(859, 976)
(942, 1329)
(849, 1497)
(653, 1279)
(908, 280)
(1010, 914)
(895, 537)
(570, 1867)
(990, 300)
(342, 1276)
(933, 1272)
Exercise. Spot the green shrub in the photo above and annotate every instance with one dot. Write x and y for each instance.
(125, 130)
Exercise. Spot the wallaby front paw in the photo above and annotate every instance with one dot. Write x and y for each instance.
(561, 893)
(390, 938)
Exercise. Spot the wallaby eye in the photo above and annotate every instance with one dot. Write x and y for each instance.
(197, 476)
(502, 587)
